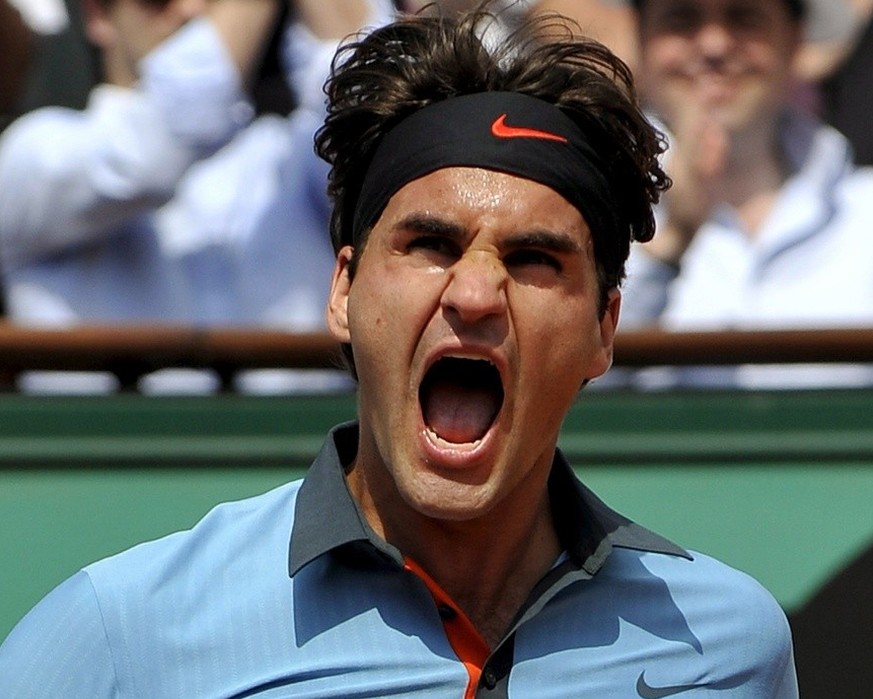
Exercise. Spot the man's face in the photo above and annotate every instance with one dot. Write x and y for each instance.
(729, 58)
(473, 316)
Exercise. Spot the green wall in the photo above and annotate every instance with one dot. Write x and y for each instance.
(776, 484)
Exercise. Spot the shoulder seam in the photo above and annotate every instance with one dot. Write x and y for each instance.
(109, 648)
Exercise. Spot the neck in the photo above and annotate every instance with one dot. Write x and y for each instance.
(117, 69)
(755, 174)
(487, 565)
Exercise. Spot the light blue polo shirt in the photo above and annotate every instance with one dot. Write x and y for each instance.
(228, 610)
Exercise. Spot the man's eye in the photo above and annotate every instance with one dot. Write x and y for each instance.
(748, 18)
(433, 243)
(527, 258)
(678, 19)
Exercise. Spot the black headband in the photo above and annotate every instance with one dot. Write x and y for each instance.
(504, 131)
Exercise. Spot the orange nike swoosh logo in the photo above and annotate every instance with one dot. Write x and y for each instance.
(500, 129)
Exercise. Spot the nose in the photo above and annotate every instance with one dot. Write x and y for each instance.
(476, 288)
(714, 39)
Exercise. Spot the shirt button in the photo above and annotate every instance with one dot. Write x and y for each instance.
(446, 612)
(489, 678)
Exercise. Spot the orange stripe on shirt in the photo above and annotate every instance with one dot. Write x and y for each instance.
(465, 639)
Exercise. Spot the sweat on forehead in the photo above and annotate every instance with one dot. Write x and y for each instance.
(503, 131)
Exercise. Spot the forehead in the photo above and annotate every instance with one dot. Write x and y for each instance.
(724, 8)
(143, 3)
(475, 197)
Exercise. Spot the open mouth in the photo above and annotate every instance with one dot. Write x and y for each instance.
(460, 398)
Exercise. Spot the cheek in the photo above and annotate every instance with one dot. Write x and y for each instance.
(382, 312)
(562, 334)
(666, 56)
(663, 80)
(769, 62)
(365, 317)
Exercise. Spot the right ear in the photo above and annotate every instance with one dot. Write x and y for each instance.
(97, 23)
(338, 300)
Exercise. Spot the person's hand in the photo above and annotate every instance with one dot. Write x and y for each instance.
(244, 26)
(696, 162)
(332, 19)
(610, 23)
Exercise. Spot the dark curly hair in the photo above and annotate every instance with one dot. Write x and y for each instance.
(383, 77)
(379, 79)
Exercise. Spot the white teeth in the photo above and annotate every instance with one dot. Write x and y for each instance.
(474, 357)
(439, 441)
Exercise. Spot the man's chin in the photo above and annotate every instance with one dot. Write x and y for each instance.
(445, 499)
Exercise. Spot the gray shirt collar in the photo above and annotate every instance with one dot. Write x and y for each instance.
(327, 518)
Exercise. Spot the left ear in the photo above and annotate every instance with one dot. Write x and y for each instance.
(338, 300)
(608, 325)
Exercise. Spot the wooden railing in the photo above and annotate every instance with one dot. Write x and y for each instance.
(658, 347)
(131, 351)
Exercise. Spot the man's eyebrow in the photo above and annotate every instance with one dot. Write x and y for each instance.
(554, 241)
(430, 225)
(544, 239)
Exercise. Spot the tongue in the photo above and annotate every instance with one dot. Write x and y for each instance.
(459, 414)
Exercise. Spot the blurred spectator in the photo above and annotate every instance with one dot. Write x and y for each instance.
(847, 88)
(17, 39)
(767, 224)
(611, 22)
(163, 201)
(62, 67)
(833, 28)
(507, 14)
